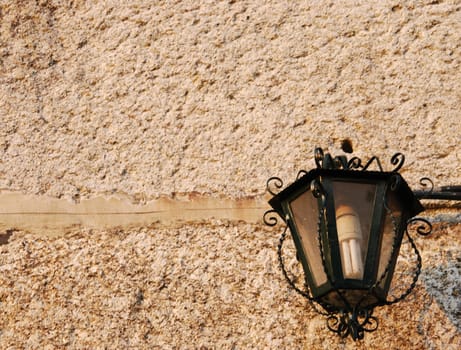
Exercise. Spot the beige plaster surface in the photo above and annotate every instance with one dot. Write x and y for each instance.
(54, 217)
(51, 216)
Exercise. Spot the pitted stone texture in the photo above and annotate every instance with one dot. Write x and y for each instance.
(215, 286)
(155, 98)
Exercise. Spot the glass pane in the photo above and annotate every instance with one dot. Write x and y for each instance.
(391, 222)
(354, 205)
(305, 215)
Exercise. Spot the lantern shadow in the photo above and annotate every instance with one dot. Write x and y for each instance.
(443, 283)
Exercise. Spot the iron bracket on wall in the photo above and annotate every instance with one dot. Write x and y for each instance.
(442, 193)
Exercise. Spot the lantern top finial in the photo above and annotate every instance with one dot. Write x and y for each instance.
(326, 161)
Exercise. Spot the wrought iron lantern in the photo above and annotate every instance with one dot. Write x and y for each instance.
(347, 224)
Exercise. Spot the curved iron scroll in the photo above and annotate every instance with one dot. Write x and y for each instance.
(424, 227)
(427, 184)
(397, 159)
(301, 173)
(272, 182)
(354, 324)
(356, 163)
(326, 161)
(270, 219)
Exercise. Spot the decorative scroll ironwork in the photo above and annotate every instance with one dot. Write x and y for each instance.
(424, 228)
(317, 189)
(301, 173)
(276, 182)
(356, 163)
(427, 184)
(397, 159)
(355, 323)
(325, 161)
(452, 192)
(270, 218)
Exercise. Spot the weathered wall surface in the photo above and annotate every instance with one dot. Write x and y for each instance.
(158, 98)
(147, 99)
(214, 286)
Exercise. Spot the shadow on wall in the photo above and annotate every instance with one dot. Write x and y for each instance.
(443, 284)
(4, 237)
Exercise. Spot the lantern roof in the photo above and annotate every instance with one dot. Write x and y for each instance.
(405, 194)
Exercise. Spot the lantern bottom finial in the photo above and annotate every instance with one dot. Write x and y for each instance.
(354, 323)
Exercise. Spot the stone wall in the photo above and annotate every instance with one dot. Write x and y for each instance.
(216, 96)
(178, 99)
(208, 286)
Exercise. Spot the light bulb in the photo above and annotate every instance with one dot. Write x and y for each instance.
(350, 239)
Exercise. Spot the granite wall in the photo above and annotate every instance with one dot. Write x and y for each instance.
(172, 99)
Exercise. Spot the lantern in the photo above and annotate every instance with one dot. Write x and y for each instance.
(347, 224)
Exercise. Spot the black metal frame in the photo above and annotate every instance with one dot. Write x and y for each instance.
(445, 192)
(351, 320)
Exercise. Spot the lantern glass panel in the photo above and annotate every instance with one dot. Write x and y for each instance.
(305, 216)
(392, 220)
(354, 204)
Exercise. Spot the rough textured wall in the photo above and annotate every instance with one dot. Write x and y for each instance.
(213, 286)
(150, 98)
